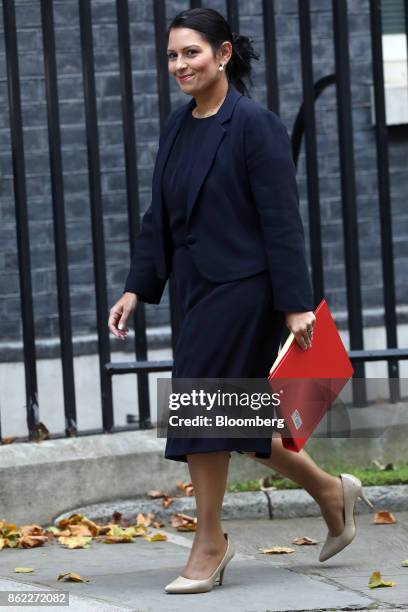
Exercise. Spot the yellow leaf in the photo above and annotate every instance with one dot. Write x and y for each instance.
(276, 550)
(156, 537)
(23, 570)
(7, 528)
(75, 542)
(70, 576)
(376, 581)
(142, 520)
(140, 530)
(72, 520)
(123, 539)
(187, 527)
(405, 563)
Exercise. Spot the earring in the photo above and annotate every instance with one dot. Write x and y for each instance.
(221, 67)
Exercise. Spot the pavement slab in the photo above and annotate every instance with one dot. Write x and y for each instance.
(133, 576)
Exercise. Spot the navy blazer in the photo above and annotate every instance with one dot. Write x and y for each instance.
(242, 208)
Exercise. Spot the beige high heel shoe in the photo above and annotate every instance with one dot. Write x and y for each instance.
(188, 585)
(352, 489)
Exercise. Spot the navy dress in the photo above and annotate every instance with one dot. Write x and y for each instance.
(229, 329)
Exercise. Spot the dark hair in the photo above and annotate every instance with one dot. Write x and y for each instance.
(216, 30)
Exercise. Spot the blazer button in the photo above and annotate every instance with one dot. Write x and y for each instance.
(190, 239)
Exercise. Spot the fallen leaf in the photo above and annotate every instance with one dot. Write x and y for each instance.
(167, 500)
(7, 528)
(384, 518)
(40, 432)
(80, 530)
(376, 581)
(266, 483)
(8, 439)
(301, 540)
(75, 541)
(71, 577)
(116, 516)
(186, 517)
(186, 487)
(93, 527)
(72, 520)
(32, 541)
(405, 563)
(31, 530)
(155, 494)
(157, 537)
(123, 539)
(9, 535)
(187, 527)
(276, 550)
(183, 522)
(23, 570)
(142, 520)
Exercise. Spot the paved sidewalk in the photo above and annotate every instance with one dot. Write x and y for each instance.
(132, 576)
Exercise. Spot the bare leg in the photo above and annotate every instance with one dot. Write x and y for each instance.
(209, 473)
(325, 489)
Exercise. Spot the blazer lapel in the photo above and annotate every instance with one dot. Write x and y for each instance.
(215, 134)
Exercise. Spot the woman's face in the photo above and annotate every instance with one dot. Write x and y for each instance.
(188, 54)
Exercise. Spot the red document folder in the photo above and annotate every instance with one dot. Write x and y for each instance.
(309, 381)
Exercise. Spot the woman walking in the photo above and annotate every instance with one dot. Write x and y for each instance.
(225, 221)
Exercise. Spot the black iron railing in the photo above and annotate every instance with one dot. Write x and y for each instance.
(304, 127)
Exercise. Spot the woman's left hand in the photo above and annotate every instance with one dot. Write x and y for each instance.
(301, 324)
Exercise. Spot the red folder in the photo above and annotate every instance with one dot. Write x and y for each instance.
(309, 381)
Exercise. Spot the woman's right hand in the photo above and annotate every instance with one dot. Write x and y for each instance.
(119, 314)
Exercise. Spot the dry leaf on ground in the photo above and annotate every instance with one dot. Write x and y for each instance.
(157, 537)
(376, 580)
(32, 541)
(141, 519)
(301, 540)
(74, 519)
(384, 518)
(8, 439)
(167, 500)
(75, 541)
(186, 487)
(23, 570)
(156, 494)
(72, 577)
(276, 550)
(183, 522)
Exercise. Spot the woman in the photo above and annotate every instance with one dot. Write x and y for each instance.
(224, 220)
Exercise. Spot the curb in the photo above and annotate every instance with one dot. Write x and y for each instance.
(268, 504)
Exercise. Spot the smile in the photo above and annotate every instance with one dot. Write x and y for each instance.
(186, 77)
